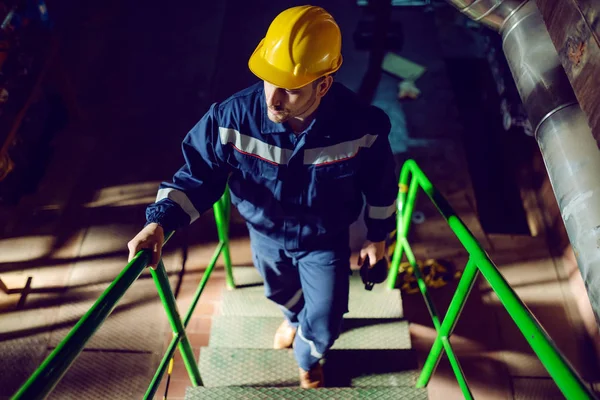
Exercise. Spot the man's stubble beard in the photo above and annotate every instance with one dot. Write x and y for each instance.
(279, 119)
(287, 115)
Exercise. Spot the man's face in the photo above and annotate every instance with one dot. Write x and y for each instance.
(284, 105)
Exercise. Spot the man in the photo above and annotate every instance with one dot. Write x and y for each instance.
(299, 153)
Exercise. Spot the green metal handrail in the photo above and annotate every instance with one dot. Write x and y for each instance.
(50, 372)
(563, 374)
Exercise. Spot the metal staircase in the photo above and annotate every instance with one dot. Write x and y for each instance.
(372, 357)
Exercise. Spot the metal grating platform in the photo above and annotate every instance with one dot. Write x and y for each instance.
(106, 375)
(249, 300)
(127, 328)
(278, 368)
(536, 389)
(249, 393)
(257, 333)
(18, 360)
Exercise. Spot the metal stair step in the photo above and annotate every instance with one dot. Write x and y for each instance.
(278, 368)
(258, 332)
(259, 393)
(249, 279)
(248, 299)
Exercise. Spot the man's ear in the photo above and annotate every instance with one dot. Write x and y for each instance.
(324, 86)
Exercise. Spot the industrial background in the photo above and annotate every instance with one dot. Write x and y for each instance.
(499, 104)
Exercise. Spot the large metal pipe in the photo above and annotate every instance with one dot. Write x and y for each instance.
(493, 13)
(573, 164)
(570, 152)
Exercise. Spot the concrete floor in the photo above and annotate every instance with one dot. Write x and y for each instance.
(135, 80)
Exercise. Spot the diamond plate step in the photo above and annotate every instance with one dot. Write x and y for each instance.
(248, 299)
(249, 393)
(258, 332)
(249, 279)
(278, 368)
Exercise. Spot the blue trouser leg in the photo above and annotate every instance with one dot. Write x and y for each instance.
(311, 288)
(280, 274)
(324, 276)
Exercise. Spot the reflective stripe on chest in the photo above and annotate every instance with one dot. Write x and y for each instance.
(337, 152)
(254, 147)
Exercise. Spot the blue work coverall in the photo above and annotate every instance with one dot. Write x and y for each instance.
(298, 193)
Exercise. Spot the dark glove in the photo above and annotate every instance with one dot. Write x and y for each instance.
(377, 274)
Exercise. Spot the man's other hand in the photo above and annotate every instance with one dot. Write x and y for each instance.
(374, 250)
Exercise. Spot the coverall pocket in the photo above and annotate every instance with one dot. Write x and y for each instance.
(250, 165)
(336, 170)
(335, 184)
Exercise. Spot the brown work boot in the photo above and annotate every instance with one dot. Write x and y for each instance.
(284, 337)
(311, 379)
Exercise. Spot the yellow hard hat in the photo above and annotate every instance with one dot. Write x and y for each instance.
(302, 44)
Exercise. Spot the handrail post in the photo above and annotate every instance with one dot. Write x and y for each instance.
(398, 250)
(458, 372)
(162, 368)
(465, 285)
(161, 279)
(220, 209)
(202, 284)
(407, 196)
(422, 285)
